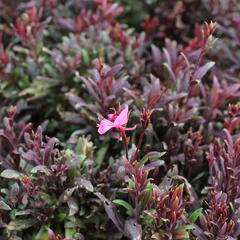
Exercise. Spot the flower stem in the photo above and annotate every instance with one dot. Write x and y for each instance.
(138, 145)
(125, 143)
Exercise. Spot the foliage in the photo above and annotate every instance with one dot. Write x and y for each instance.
(119, 119)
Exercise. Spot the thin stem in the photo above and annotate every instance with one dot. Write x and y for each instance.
(139, 144)
(125, 143)
(137, 207)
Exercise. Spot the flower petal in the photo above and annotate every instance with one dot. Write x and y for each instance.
(122, 118)
(112, 117)
(104, 126)
(130, 129)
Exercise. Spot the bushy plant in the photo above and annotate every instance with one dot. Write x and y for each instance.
(120, 119)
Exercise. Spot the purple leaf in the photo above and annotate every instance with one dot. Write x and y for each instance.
(201, 72)
(111, 211)
(114, 70)
(132, 229)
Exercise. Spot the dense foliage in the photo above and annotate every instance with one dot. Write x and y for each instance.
(120, 119)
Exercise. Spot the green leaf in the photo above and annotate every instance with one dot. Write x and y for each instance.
(146, 195)
(82, 212)
(80, 146)
(101, 154)
(186, 227)
(85, 56)
(40, 87)
(66, 195)
(42, 234)
(69, 232)
(38, 48)
(49, 70)
(168, 76)
(131, 183)
(84, 147)
(61, 216)
(126, 205)
(24, 212)
(41, 169)
(195, 215)
(10, 174)
(4, 206)
(151, 156)
(20, 224)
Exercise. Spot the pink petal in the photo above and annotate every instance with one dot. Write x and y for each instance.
(122, 118)
(112, 117)
(130, 129)
(105, 125)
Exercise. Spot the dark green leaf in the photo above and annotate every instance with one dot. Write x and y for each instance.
(126, 205)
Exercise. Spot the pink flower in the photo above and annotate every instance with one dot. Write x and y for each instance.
(117, 121)
(112, 117)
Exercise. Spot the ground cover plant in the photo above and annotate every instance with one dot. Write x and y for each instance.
(120, 119)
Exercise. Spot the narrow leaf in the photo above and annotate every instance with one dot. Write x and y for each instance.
(83, 183)
(4, 206)
(132, 229)
(11, 174)
(126, 205)
(20, 224)
(195, 215)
